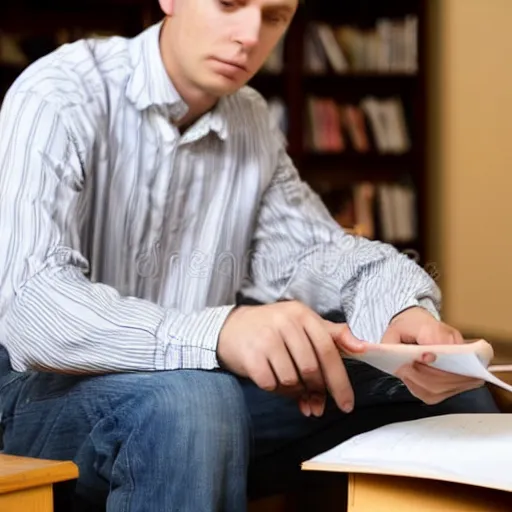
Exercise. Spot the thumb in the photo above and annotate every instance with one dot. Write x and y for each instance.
(344, 339)
(392, 336)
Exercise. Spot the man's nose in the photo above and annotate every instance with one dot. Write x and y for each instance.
(248, 29)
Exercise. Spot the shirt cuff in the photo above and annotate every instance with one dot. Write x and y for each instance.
(430, 306)
(190, 341)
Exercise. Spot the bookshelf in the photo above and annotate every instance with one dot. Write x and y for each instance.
(332, 108)
(382, 50)
(30, 29)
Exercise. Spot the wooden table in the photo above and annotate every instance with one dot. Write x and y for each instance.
(26, 485)
(386, 493)
(383, 493)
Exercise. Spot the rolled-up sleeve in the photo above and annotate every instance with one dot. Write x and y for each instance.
(300, 252)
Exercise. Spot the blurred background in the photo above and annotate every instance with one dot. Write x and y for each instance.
(398, 112)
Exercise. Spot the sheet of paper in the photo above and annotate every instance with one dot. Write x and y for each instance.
(467, 364)
(467, 448)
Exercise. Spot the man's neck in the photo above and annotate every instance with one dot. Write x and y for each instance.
(197, 106)
(198, 101)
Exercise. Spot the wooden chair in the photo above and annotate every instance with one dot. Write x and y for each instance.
(26, 485)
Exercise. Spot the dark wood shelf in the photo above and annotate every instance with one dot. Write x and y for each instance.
(362, 12)
(124, 18)
(364, 76)
(269, 84)
(8, 74)
(373, 78)
(324, 180)
(350, 160)
(354, 85)
(409, 245)
(8, 67)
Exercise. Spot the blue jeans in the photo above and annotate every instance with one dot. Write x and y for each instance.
(189, 440)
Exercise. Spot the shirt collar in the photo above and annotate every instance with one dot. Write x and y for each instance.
(150, 85)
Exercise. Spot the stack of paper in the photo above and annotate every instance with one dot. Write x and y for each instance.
(473, 449)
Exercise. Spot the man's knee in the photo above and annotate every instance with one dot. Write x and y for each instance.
(207, 408)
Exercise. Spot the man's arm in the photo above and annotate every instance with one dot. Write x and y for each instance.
(51, 316)
(301, 253)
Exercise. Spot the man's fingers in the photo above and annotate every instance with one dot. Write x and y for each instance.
(303, 354)
(261, 373)
(438, 380)
(305, 406)
(343, 337)
(284, 369)
(433, 386)
(332, 366)
(424, 395)
(427, 395)
(317, 402)
(427, 358)
(459, 339)
(313, 404)
(308, 367)
(391, 337)
(431, 398)
(439, 334)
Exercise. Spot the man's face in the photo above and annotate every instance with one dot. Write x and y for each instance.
(218, 45)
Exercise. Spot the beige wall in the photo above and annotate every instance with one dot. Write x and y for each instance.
(471, 162)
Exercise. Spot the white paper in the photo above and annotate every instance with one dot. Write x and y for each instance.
(468, 364)
(467, 448)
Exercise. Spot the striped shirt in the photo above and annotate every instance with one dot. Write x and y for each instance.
(124, 242)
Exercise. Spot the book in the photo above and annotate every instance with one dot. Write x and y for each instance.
(470, 359)
(333, 51)
(473, 449)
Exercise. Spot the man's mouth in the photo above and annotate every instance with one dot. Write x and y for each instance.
(234, 63)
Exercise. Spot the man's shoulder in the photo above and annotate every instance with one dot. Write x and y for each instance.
(78, 73)
(250, 112)
(255, 116)
(249, 98)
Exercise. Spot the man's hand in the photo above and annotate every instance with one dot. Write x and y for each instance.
(432, 386)
(287, 347)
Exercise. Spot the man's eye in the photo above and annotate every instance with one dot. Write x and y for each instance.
(274, 19)
(227, 3)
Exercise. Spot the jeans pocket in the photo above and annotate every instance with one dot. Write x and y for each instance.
(44, 387)
(7, 380)
(9, 390)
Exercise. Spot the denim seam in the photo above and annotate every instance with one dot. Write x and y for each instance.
(54, 423)
(127, 496)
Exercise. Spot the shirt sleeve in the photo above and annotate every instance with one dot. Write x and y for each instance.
(52, 317)
(300, 252)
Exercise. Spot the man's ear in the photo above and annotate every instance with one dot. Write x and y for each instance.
(167, 6)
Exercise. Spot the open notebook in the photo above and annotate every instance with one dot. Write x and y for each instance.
(471, 359)
(473, 449)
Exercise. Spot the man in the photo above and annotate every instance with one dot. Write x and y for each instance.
(142, 189)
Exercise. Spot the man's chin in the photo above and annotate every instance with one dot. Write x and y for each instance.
(222, 86)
